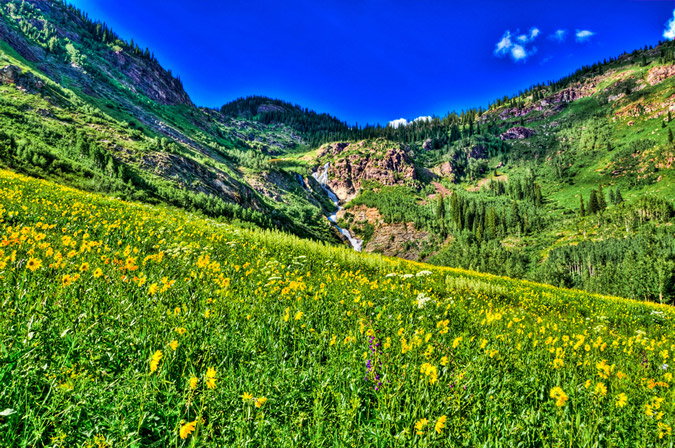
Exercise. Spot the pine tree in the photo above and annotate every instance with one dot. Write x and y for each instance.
(593, 203)
(440, 214)
(670, 136)
(612, 198)
(602, 203)
(538, 199)
(582, 209)
(617, 196)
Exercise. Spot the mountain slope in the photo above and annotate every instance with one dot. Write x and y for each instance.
(512, 178)
(82, 105)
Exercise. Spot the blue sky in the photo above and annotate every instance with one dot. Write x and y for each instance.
(371, 61)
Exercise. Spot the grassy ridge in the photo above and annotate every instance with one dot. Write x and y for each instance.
(129, 325)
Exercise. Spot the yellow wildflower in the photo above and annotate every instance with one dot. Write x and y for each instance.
(152, 290)
(66, 280)
(193, 382)
(154, 362)
(211, 378)
(187, 429)
(174, 345)
(600, 389)
(664, 430)
(419, 426)
(621, 400)
(560, 396)
(440, 424)
(34, 264)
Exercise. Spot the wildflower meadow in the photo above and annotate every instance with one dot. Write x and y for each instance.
(133, 325)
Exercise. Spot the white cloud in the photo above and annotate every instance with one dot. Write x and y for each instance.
(584, 35)
(669, 32)
(518, 50)
(504, 45)
(559, 35)
(400, 122)
(403, 122)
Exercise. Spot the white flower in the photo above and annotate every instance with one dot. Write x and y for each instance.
(422, 273)
(422, 300)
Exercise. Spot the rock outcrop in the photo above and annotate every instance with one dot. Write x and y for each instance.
(445, 170)
(660, 74)
(355, 163)
(149, 78)
(11, 74)
(394, 240)
(517, 132)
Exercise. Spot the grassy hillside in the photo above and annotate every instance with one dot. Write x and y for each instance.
(137, 325)
(514, 177)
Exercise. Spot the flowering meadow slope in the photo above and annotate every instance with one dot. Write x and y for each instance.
(129, 325)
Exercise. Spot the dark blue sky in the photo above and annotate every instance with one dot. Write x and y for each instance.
(374, 61)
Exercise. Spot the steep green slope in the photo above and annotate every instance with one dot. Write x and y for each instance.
(83, 106)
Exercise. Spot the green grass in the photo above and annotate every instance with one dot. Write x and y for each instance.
(92, 289)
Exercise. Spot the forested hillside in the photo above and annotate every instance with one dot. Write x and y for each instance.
(568, 182)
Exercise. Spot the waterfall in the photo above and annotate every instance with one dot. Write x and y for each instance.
(321, 176)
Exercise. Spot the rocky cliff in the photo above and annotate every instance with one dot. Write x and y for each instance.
(380, 161)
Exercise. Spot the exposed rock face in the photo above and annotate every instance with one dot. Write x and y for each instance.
(446, 170)
(193, 176)
(270, 108)
(660, 74)
(19, 43)
(149, 78)
(571, 94)
(517, 132)
(550, 105)
(346, 174)
(394, 240)
(11, 74)
(428, 145)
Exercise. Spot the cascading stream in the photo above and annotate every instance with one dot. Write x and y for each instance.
(322, 178)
